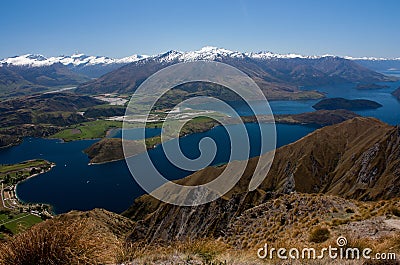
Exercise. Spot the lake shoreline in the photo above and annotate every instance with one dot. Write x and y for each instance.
(51, 212)
(16, 203)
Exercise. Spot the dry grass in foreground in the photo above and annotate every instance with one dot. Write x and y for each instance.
(81, 242)
(69, 242)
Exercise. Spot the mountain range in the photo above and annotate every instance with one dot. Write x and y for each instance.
(91, 66)
(279, 76)
(18, 80)
(378, 64)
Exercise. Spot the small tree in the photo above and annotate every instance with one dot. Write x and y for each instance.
(319, 235)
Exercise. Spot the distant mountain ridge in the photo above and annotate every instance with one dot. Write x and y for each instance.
(378, 64)
(205, 53)
(92, 66)
(279, 76)
(21, 80)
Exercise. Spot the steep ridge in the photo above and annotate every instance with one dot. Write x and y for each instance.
(357, 159)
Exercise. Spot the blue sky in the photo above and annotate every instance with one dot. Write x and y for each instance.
(121, 28)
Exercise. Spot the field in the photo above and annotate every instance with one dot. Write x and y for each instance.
(16, 223)
(87, 130)
(11, 174)
(195, 125)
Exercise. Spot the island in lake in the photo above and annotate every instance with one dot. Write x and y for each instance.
(370, 86)
(347, 104)
(396, 93)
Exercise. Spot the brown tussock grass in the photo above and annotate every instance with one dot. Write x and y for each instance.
(70, 242)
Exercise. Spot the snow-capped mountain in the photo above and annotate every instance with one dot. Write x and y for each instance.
(38, 60)
(205, 53)
(385, 65)
(279, 75)
(371, 58)
(91, 66)
(276, 73)
(215, 53)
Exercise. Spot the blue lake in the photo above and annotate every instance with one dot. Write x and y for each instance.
(389, 113)
(73, 184)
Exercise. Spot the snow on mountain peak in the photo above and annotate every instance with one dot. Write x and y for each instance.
(27, 60)
(370, 58)
(265, 55)
(211, 53)
(77, 59)
(205, 53)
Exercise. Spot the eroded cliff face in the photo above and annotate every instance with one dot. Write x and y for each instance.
(358, 159)
(170, 222)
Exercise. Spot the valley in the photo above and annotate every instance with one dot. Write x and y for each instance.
(335, 170)
(99, 122)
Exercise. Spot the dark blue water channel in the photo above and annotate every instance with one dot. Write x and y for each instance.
(73, 184)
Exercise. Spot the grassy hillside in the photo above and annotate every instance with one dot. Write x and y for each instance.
(41, 115)
(288, 221)
(23, 80)
(87, 130)
(356, 159)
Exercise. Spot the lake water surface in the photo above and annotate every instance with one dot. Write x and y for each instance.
(73, 184)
